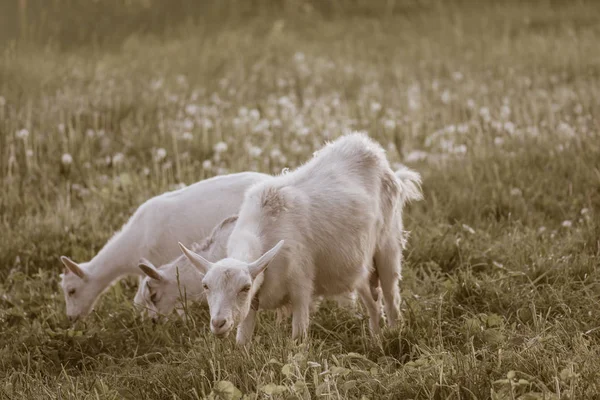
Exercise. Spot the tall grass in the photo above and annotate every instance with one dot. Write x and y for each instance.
(496, 104)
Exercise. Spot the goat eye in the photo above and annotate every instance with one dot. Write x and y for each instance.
(71, 292)
(153, 298)
(205, 286)
(245, 289)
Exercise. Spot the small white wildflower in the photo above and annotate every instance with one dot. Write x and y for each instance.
(220, 147)
(435, 85)
(497, 125)
(61, 128)
(192, 109)
(505, 112)
(146, 171)
(222, 171)
(375, 107)
(160, 154)
(2, 101)
(516, 192)
(463, 128)
(181, 80)
(457, 76)
(118, 158)
(484, 113)
(243, 112)
(254, 151)
(276, 123)
(468, 229)
(567, 224)
(578, 109)
(415, 156)
(206, 165)
(275, 153)
(451, 129)
(254, 114)
(565, 129)
(446, 96)
(90, 133)
(207, 124)
(188, 124)
(585, 211)
(541, 229)
(460, 149)
(101, 132)
(389, 124)
(187, 136)
(23, 134)
(498, 141)
(29, 153)
(470, 104)
(509, 127)
(299, 57)
(67, 159)
(304, 131)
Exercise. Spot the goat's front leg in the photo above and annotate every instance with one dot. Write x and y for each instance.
(301, 302)
(246, 328)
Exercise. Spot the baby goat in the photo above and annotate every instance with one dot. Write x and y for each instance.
(325, 225)
(152, 232)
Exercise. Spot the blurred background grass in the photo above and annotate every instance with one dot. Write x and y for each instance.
(106, 103)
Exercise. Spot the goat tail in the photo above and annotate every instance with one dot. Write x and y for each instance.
(410, 184)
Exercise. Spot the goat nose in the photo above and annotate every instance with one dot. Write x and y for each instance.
(219, 323)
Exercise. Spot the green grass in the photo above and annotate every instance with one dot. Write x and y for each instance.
(501, 284)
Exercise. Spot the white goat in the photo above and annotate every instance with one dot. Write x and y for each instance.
(325, 224)
(152, 232)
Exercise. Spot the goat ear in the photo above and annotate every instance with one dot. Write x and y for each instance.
(262, 263)
(72, 266)
(197, 260)
(149, 269)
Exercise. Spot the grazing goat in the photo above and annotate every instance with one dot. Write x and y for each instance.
(152, 232)
(325, 225)
(162, 289)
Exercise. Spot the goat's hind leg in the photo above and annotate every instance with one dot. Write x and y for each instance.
(388, 259)
(373, 308)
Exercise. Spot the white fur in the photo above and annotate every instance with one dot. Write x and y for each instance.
(152, 232)
(326, 225)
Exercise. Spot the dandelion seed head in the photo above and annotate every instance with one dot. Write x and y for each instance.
(160, 154)
(118, 159)
(254, 151)
(446, 96)
(66, 159)
(22, 134)
(220, 147)
(206, 165)
(375, 107)
(187, 136)
(567, 223)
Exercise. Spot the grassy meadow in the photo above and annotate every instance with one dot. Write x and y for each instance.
(495, 103)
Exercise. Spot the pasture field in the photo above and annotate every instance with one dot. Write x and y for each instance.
(495, 103)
